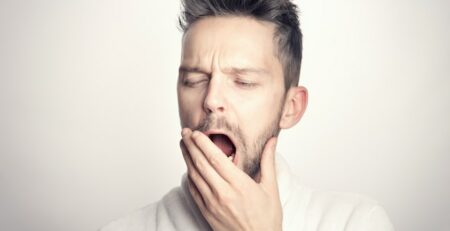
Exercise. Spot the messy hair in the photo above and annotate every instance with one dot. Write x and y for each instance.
(283, 13)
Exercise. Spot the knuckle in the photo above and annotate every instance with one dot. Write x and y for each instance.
(209, 205)
(193, 175)
(214, 161)
(213, 209)
(224, 199)
(197, 164)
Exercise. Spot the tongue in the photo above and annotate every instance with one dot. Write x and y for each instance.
(224, 143)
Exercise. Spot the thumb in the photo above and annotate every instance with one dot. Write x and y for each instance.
(268, 172)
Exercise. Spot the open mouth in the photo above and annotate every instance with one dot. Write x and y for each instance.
(225, 144)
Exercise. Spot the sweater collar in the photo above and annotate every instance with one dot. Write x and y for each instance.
(284, 180)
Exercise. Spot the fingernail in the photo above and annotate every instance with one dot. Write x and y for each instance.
(195, 134)
(184, 131)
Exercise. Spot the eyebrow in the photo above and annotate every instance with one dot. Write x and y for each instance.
(186, 69)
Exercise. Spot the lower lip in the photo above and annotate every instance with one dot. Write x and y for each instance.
(235, 159)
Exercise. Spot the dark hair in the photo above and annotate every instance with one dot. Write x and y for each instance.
(283, 13)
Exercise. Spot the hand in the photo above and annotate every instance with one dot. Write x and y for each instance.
(227, 197)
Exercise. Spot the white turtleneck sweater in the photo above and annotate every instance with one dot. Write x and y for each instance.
(304, 209)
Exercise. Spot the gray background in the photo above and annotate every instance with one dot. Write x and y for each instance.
(89, 124)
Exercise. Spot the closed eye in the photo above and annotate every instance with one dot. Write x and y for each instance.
(195, 83)
(245, 84)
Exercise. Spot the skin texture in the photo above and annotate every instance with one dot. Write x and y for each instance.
(229, 72)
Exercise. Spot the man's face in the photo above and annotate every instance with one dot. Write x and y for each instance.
(231, 86)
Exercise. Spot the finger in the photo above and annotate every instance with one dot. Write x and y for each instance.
(268, 172)
(204, 168)
(216, 158)
(196, 195)
(202, 205)
(197, 179)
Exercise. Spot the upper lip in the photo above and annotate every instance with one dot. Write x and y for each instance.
(228, 134)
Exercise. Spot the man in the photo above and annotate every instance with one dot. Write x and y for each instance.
(237, 87)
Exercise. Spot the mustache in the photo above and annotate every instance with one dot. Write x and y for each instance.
(213, 122)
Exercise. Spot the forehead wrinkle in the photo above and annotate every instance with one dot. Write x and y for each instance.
(183, 69)
(216, 58)
(242, 71)
(208, 57)
(229, 62)
(195, 61)
(214, 54)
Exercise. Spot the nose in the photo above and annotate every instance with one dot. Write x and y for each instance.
(215, 98)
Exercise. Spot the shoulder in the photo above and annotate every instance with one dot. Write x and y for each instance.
(308, 209)
(134, 221)
(346, 211)
(144, 218)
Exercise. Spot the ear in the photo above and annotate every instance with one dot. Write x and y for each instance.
(294, 106)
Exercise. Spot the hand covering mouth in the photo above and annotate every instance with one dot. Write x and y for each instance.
(223, 142)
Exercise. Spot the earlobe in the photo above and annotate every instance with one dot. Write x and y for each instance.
(294, 106)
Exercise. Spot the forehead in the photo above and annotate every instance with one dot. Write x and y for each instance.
(229, 41)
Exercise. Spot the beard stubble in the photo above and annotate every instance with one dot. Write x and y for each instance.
(250, 151)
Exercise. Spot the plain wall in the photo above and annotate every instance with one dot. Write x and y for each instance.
(89, 124)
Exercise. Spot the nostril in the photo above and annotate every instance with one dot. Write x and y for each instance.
(211, 106)
(214, 100)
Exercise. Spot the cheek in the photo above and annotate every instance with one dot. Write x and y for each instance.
(190, 107)
(258, 113)
(262, 104)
